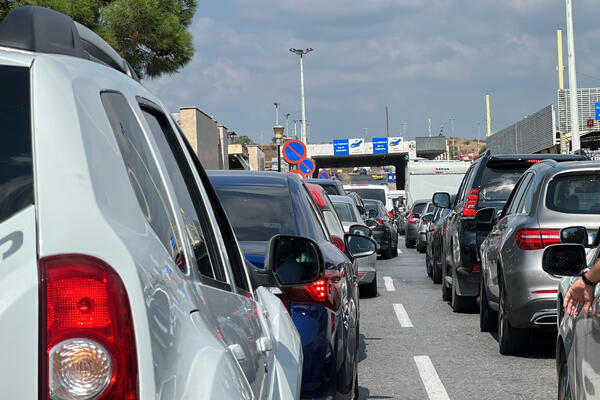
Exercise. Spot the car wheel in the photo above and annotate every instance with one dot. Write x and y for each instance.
(387, 254)
(409, 243)
(395, 250)
(460, 304)
(428, 265)
(436, 273)
(564, 381)
(422, 249)
(487, 317)
(370, 289)
(446, 293)
(510, 340)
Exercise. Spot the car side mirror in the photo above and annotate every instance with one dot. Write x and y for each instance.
(294, 260)
(487, 215)
(564, 259)
(441, 199)
(360, 246)
(361, 210)
(360, 230)
(372, 213)
(428, 218)
(574, 234)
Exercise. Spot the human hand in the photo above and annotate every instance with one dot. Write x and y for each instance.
(579, 296)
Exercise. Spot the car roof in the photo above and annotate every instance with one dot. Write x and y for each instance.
(366, 201)
(323, 181)
(341, 199)
(366, 186)
(556, 167)
(249, 178)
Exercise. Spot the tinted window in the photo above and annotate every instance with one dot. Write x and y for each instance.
(518, 195)
(345, 212)
(418, 208)
(430, 207)
(330, 189)
(375, 194)
(371, 206)
(258, 213)
(16, 170)
(574, 194)
(182, 181)
(143, 172)
(496, 184)
(317, 224)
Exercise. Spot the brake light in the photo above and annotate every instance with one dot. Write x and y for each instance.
(536, 239)
(476, 268)
(339, 243)
(379, 222)
(325, 291)
(470, 208)
(87, 342)
(391, 214)
(549, 291)
(412, 219)
(316, 192)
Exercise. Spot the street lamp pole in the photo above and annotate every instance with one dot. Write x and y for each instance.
(302, 53)
(287, 124)
(574, 106)
(276, 104)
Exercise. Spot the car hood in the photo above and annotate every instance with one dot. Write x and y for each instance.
(255, 252)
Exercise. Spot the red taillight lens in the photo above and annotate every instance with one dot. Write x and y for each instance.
(476, 268)
(86, 331)
(339, 243)
(412, 220)
(325, 291)
(391, 214)
(536, 239)
(379, 222)
(470, 208)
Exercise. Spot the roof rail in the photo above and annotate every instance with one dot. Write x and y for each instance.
(550, 161)
(44, 30)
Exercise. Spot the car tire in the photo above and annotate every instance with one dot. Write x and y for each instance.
(446, 291)
(428, 266)
(422, 249)
(460, 304)
(510, 340)
(395, 250)
(436, 273)
(488, 319)
(409, 244)
(370, 289)
(387, 254)
(564, 381)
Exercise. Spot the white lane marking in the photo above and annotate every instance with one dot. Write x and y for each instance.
(389, 284)
(433, 385)
(400, 251)
(402, 316)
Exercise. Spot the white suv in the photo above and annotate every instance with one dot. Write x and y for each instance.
(120, 276)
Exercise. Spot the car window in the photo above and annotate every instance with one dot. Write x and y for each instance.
(374, 194)
(418, 208)
(16, 168)
(574, 193)
(315, 215)
(190, 202)
(430, 207)
(371, 206)
(345, 212)
(462, 189)
(497, 183)
(527, 200)
(515, 199)
(143, 173)
(330, 189)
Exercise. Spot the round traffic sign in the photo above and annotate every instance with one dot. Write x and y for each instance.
(293, 151)
(324, 175)
(307, 166)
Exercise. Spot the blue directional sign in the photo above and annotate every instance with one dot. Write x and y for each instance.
(341, 147)
(391, 178)
(293, 151)
(324, 175)
(597, 111)
(306, 166)
(380, 145)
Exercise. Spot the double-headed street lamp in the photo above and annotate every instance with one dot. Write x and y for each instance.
(302, 53)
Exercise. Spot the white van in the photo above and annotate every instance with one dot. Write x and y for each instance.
(375, 192)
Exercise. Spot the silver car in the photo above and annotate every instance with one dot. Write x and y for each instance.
(422, 231)
(367, 272)
(121, 277)
(515, 293)
(419, 208)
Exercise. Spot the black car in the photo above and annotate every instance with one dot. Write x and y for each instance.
(331, 186)
(435, 248)
(384, 228)
(488, 183)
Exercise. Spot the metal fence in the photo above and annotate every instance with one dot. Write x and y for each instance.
(532, 134)
(586, 101)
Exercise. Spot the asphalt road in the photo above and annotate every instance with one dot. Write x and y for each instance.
(443, 355)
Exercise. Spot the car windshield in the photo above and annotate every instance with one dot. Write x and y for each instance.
(345, 212)
(497, 183)
(16, 168)
(574, 194)
(374, 194)
(258, 213)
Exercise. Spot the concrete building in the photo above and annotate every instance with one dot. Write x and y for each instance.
(202, 133)
(223, 147)
(256, 157)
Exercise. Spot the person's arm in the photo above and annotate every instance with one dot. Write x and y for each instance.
(581, 294)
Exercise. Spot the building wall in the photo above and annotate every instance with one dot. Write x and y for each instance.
(203, 135)
(223, 147)
(256, 157)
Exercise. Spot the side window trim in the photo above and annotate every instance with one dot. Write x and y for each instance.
(317, 214)
(525, 193)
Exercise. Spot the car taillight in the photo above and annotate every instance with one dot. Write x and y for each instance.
(325, 291)
(391, 213)
(87, 343)
(339, 243)
(536, 239)
(470, 208)
(379, 222)
(412, 220)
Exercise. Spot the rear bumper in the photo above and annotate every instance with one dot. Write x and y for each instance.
(411, 231)
(383, 238)
(366, 277)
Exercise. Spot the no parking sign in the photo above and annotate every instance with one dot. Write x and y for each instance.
(307, 166)
(293, 151)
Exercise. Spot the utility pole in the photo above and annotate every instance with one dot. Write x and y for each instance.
(295, 134)
(453, 138)
(302, 53)
(429, 126)
(574, 106)
(287, 124)
(276, 104)
(560, 66)
(488, 115)
(387, 121)
(478, 134)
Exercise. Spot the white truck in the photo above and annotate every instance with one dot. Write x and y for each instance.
(425, 177)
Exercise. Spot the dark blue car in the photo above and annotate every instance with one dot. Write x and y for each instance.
(263, 204)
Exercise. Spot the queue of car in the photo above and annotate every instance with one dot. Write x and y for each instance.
(517, 224)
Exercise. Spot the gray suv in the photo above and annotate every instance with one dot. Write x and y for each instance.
(516, 294)
(419, 208)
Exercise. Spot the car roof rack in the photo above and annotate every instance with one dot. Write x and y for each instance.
(43, 30)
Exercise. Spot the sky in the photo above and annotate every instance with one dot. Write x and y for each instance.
(420, 58)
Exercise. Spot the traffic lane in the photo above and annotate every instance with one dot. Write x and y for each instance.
(466, 360)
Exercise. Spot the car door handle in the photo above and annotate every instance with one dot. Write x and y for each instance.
(264, 344)
(237, 352)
